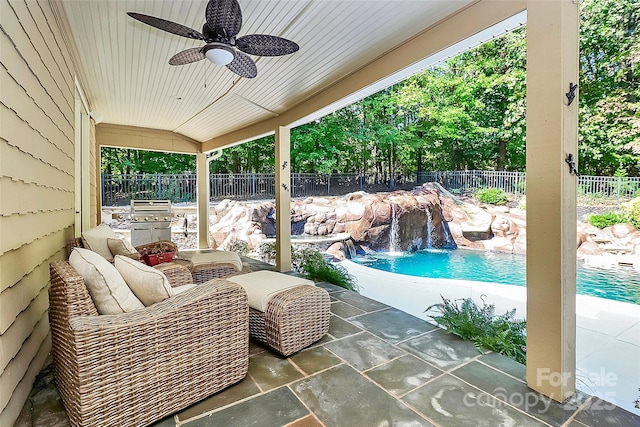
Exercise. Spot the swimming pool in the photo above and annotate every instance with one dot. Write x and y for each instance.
(618, 284)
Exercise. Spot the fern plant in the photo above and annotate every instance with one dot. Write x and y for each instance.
(503, 334)
(311, 263)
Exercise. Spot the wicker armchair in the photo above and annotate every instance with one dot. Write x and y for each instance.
(135, 368)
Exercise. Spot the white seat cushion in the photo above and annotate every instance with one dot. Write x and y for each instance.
(97, 239)
(107, 288)
(147, 283)
(211, 256)
(262, 285)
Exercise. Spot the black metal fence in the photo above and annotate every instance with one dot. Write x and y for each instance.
(118, 190)
(591, 189)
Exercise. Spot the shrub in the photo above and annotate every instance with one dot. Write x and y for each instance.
(267, 252)
(631, 210)
(607, 219)
(503, 334)
(522, 203)
(492, 196)
(312, 264)
(238, 246)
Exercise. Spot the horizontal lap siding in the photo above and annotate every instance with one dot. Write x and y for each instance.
(37, 207)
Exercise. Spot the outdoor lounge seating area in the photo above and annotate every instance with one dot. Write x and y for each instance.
(376, 366)
(80, 76)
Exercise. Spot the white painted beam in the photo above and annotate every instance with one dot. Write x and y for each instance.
(283, 199)
(552, 64)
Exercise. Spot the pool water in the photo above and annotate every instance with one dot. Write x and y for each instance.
(618, 284)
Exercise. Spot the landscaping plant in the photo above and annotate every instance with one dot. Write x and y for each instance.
(606, 219)
(238, 246)
(631, 210)
(503, 334)
(492, 196)
(312, 264)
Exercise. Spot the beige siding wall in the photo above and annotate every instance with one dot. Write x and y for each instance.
(36, 187)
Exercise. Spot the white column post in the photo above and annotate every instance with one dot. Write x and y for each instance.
(283, 199)
(202, 179)
(552, 65)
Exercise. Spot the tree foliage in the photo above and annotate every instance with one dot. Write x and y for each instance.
(125, 161)
(468, 112)
(609, 113)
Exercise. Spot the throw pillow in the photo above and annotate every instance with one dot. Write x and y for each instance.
(122, 247)
(107, 288)
(96, 239)
(147, 283)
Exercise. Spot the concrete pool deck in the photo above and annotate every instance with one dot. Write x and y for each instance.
(607, 334)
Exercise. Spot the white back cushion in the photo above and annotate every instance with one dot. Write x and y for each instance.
(107, 288)
(97, 238)
(121, 247)
(147, 283)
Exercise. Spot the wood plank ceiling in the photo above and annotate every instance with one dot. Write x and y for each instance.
(129, 81)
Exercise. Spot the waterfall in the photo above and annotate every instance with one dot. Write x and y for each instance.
(429, 230)
(449, 241)
(350, 249)
(394, 234)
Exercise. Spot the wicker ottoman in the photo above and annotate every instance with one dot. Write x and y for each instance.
(287, 313)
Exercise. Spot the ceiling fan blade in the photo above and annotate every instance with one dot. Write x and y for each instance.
(243, 66)
(168, 26)
(224, 17)
(265, 45)
(187, 56)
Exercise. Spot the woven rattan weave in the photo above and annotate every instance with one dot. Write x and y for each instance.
(135, 368)
(294, 319)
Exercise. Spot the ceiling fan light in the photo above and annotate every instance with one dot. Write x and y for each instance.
(220, 55)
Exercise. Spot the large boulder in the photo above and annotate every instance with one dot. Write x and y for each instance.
(474, 221)
(427, 216)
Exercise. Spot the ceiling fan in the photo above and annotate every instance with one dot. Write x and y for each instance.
(223, 22)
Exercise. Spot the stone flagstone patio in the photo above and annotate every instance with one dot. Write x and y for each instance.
(378, 366)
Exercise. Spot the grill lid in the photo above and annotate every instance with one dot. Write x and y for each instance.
(145, 207)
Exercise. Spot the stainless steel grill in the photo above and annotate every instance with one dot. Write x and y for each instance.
(150, 221)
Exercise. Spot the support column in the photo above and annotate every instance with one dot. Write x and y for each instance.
(283, 199)
(202, 179)
(552, 134)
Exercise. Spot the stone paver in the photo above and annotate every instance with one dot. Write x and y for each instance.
(377, 366)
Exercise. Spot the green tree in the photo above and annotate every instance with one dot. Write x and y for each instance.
(609, 88)
(127, 161)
